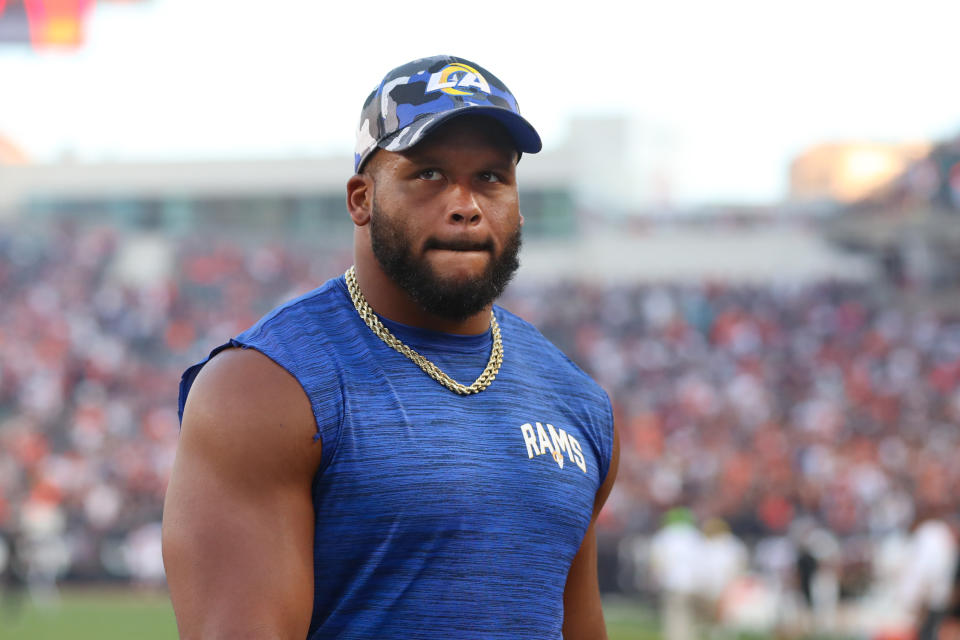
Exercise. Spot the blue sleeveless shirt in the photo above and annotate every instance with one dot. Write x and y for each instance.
(438, 515)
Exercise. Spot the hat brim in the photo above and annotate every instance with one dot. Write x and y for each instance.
(525, 137)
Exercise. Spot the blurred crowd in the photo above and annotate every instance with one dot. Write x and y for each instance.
(90, 361)
(768, 409)
(815, 423)
(764, 405)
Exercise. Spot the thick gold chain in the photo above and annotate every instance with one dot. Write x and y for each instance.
(432, 370)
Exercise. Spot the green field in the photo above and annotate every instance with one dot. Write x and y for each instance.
(89, 615)
(628, 622)
(116, 615)
(84, 614)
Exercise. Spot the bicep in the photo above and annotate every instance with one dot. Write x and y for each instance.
(582, 607)
(238, 516)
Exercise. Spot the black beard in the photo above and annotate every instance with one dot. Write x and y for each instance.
(457, 300)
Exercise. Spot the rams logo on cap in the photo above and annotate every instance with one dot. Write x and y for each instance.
(458, 79)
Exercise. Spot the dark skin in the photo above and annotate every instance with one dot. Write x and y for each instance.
(238, 521)
(462, 184)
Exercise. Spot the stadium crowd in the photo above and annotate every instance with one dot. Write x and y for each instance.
(817, 422)
(89, 366)
(763, 406)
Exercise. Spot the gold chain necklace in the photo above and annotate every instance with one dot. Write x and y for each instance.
(432, 370)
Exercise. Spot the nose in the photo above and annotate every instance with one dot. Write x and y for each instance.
(463, 207)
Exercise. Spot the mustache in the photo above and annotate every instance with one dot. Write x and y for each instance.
(459, 245)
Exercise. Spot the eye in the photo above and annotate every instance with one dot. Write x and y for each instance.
(490, 176)
(429, 174)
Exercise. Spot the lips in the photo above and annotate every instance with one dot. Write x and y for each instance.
(464, 244)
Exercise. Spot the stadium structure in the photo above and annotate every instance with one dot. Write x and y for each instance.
(582, 221)
(910, 225)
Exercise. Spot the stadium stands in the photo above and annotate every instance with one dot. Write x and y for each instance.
(756, 404)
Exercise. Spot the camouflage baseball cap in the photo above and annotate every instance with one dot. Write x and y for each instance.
(416, 97)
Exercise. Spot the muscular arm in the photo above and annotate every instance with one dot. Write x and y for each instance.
(238, 518)
(582, 611)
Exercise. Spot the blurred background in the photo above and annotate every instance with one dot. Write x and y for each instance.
(745, 224)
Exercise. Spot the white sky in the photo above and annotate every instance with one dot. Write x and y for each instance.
(738, 86)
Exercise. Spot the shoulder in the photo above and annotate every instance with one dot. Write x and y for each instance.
(323, 309)
(309, 335)
(245, 409)
(290, 353)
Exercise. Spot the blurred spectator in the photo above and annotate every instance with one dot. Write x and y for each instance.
(675, 553)
(950, 629)
(928, 575)
(12, 574)
(818, 577)
(723, 560)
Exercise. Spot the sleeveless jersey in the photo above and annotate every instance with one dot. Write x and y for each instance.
(439, 515)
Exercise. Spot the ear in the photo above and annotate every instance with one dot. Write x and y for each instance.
(360, 198)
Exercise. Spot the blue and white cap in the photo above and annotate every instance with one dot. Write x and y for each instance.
(416, 97)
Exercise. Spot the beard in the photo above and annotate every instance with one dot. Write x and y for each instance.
(454, 300)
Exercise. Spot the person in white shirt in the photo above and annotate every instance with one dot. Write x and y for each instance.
(724, 560)
(926, 582)
(676, 552)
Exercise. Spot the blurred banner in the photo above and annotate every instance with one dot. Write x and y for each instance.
(43, 23)
(14, 25)
(46, 23)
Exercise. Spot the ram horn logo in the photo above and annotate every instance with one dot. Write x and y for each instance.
(458, 79)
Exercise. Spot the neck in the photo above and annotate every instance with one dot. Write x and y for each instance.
(390, 301)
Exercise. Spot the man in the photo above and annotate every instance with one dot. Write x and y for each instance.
(724, 561)
(335, 478)
(13, 573)
(676, 556)
(926, 580)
